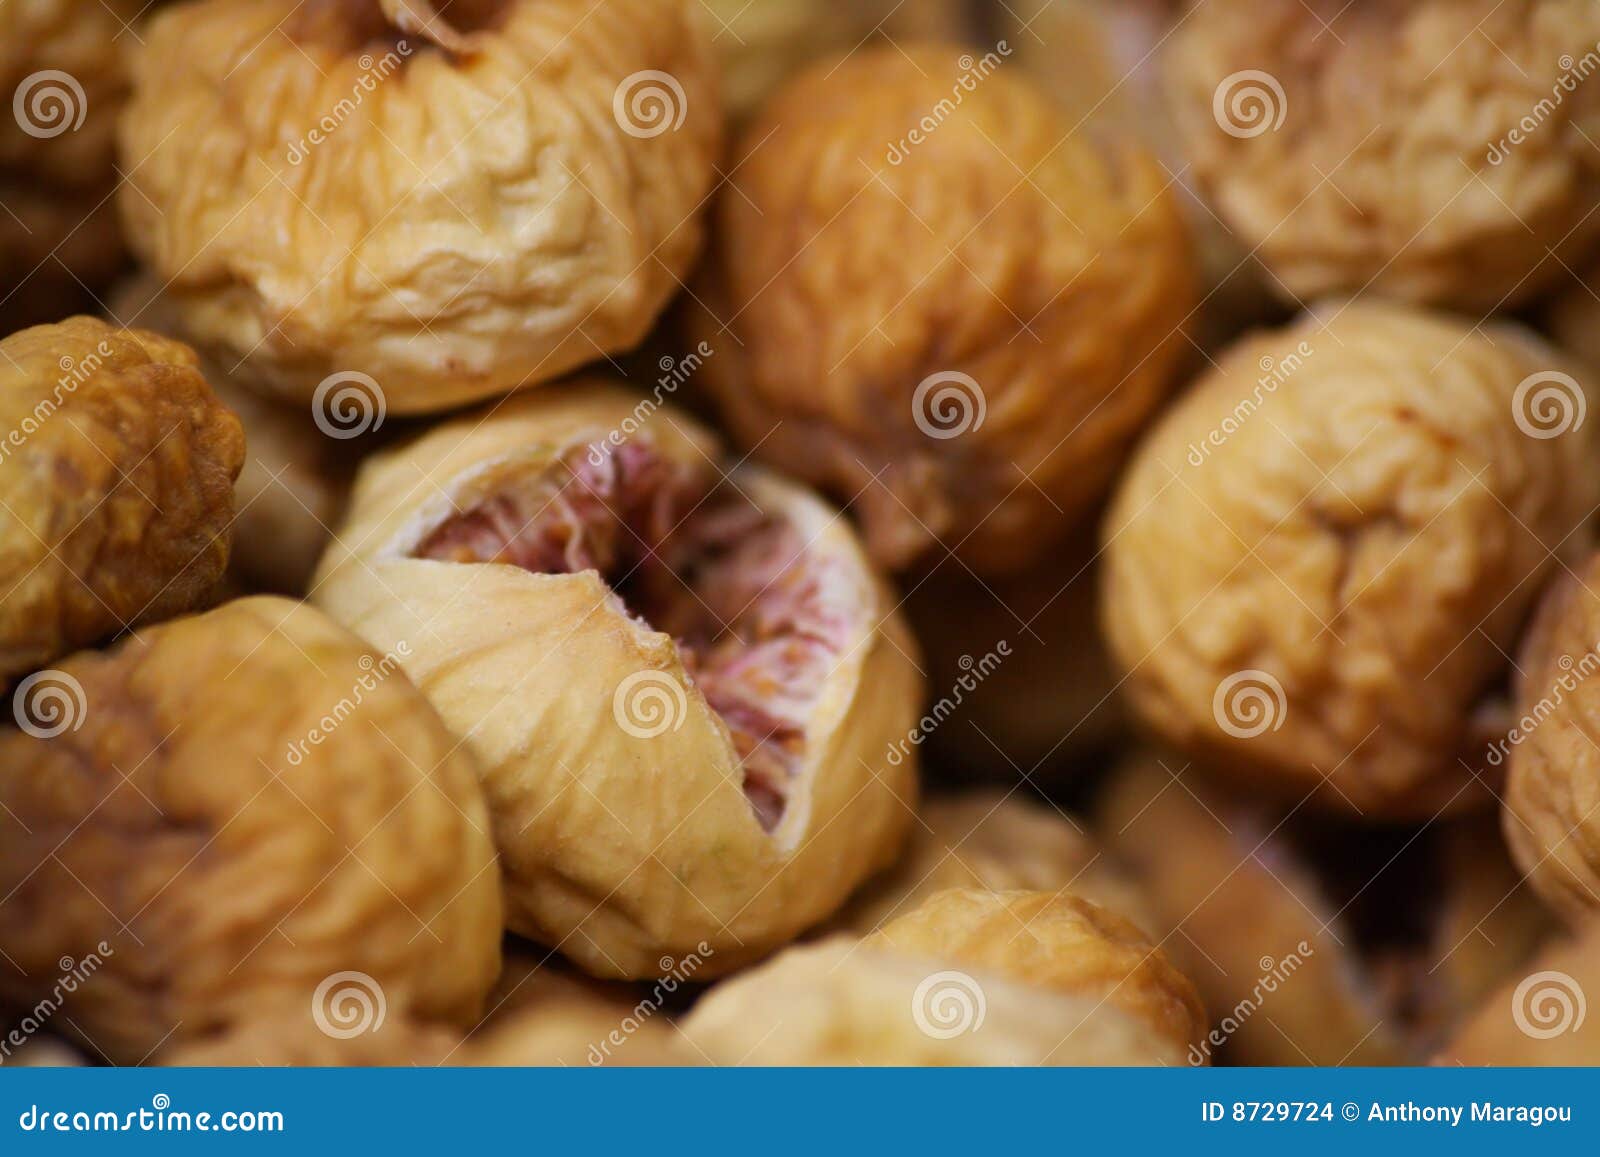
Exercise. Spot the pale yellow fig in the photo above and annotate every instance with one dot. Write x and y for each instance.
(684, 685)
(1541, 1015)
(1316, 943)
(450, 204)
(1319, 559)
(844, 1002)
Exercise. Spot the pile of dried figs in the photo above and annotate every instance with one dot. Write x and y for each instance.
(671, 532)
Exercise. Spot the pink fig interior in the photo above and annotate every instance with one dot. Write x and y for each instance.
(737, 587)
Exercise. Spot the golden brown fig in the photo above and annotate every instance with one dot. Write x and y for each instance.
(116, 486)
(1540, 1015)
(1055, 941)
(683, 685)
(297, 467)
(1312, 943)
(1319, 559)
(532, 172)
(236, 808)
(61, 66)
(1552, 798)
(844, 1002)
(996, 840)
(930, 299)
(288, 1037)
(1436, 151)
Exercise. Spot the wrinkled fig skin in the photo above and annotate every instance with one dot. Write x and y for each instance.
(1369, 532)
(1392, 168)
(1055, 941)
(220, 838)
(116, 486)
(997, 840)
(620, 847)
(848, 270)
(508, 227)
(58, 231)
(1290, 968)
(1552, 812)
(842, 1002)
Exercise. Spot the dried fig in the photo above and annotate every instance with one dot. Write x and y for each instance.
(297, 468)
(1317, 562)
(116, 486)
(957, 326)
(287, 1036)
(533, 171)
(237, 808)
(1058, 942)
(1540, 1015)
(61, 64)
(1572, 316)
(1552, 798)
(844, 1002)
(999, 841)
(1311, 943)
(683, 684)
(1288, 109)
